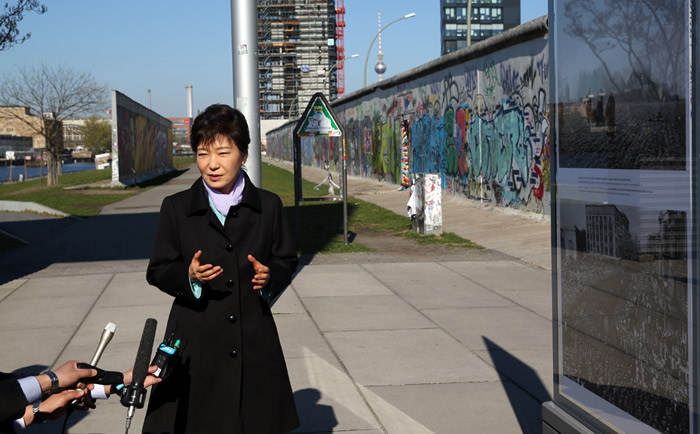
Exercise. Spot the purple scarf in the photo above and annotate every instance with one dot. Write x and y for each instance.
(222, 201)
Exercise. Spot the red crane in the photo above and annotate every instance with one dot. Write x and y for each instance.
(340, 45)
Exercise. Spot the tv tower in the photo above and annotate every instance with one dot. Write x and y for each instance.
(380, 67)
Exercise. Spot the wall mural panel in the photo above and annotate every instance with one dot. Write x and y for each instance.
(482, 125)
(141, 142)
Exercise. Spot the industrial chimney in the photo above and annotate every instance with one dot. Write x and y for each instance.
(189, 101)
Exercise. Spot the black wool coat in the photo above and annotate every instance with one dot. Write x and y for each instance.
(232, 377)
(12, 401)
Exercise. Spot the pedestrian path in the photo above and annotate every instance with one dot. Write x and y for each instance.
(371, 347)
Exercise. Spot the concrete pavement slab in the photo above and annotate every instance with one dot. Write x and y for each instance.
(531, 369)
(131, 289)
(118, 356)
(503, 276)
(288, 302)
(432, 286)
(74, 286)
(539, 302)
(397, 357)
(482, 407)
(337, 280)
(326, 398)
(91, 267)
(23, 347)
(352, 313)
(509, 327)
(108, 418)
(10, 287)
(22, 314)
(129, 321)
(300, 337)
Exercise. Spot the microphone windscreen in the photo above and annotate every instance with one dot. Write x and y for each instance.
(143, 356)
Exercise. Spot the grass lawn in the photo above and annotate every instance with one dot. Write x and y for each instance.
(321, 227)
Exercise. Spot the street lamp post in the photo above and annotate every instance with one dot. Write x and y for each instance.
(364, 80)
(328, 73)
(325, 77)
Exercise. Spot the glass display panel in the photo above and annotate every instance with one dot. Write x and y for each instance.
(623, 176)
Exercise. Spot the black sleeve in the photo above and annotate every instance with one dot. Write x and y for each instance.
(12, 403)
(284, 255)
(167, 269)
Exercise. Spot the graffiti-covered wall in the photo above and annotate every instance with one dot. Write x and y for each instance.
(141, 142)
(480, 120)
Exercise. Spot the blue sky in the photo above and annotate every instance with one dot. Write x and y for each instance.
(134, 45)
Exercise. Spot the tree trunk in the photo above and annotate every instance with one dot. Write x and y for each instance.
(52, 175)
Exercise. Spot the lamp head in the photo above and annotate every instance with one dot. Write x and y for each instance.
(411, 15)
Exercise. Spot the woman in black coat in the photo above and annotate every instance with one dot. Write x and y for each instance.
(223, 250)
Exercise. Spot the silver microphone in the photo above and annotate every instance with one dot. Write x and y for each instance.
(107, 334)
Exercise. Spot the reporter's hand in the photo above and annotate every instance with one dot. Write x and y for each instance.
(68, 374)
(203, 273)
(149, 381)
(55, 405)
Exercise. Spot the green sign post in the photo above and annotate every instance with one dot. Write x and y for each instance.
(319, 120)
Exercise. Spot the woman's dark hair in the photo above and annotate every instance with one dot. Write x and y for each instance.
(220, 120)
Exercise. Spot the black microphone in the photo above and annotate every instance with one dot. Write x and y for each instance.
(134, 395)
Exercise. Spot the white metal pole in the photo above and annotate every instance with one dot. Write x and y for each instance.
(244, 40)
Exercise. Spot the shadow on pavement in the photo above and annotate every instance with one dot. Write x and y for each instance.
(321, 226)
(99, 238)
(525, 390)
(314, 417)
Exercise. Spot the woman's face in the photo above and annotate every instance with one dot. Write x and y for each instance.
(220, 162)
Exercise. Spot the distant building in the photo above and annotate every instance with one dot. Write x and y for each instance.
(181, 135)
(181, 129)
(19, 121)
(17, 146)
(489, 17)
(299, 42)
(73, 132)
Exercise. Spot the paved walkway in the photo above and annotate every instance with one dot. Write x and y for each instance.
(371, 347)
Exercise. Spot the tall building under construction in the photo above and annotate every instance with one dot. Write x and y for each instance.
(301, 52)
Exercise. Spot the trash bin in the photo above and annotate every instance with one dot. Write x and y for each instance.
(425, 204)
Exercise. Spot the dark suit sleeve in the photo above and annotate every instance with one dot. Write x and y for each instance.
(167, 269)
(12, 403)
(284, 255)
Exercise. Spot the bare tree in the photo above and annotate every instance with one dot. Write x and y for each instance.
(51, 95)
(10, 18)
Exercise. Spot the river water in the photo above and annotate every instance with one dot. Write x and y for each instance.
(33, 172)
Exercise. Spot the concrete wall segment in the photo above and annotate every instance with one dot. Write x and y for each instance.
(478, 116)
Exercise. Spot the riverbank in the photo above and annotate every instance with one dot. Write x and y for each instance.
(26, 173)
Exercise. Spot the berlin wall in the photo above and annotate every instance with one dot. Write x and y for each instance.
(479, 117)
(141, 142)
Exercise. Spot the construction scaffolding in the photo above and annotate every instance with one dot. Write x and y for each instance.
(297, 51)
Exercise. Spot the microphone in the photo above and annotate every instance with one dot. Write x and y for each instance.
(106, 337)
(134, 395)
